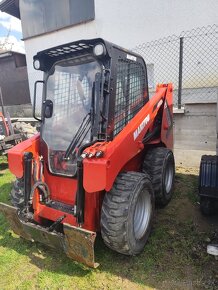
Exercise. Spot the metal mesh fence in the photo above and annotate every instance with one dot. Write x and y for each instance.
(189, 61)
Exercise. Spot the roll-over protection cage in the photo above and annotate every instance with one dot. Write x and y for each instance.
(124, 85)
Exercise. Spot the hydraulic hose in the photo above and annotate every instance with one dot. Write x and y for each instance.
(43, 188)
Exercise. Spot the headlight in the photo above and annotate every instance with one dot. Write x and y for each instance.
(36, 64)
(99, 49)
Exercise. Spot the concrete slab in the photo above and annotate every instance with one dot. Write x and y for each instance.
(190, 158)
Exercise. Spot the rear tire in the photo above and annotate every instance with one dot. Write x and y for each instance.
(127, 213)
(160, 165)
(17, 193)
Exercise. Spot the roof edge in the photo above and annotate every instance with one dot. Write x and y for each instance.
(10, 52)
(10, 7)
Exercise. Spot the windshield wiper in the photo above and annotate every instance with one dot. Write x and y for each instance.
(83, 130)
(91, 120)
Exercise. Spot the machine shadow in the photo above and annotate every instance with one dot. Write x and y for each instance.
(3, 165)
(154, 264)
(43, 257)
(52, 260)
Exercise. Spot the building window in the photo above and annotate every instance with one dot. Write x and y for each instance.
(20, 60)
(39, 17)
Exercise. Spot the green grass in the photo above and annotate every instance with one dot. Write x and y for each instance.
(174, 258)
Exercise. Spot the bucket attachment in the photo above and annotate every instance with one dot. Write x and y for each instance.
(77, 243)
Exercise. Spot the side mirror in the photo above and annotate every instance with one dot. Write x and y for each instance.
(47, 109)
(37, 101)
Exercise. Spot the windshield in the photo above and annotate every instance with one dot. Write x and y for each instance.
(70, 88)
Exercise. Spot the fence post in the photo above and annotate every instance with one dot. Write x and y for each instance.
(180, 72)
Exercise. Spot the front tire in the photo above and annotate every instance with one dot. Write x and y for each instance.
(160, 165)
(17, 193)
(127, 213)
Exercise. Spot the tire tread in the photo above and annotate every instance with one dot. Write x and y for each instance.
(114, 221)
(17, 193)
(153, 165)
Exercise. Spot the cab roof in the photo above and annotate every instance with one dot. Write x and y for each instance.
(49, 56)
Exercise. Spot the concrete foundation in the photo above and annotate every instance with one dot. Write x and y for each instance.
(194, 133)
(190, 158)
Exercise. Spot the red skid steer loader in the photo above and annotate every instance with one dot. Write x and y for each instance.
(103, 155)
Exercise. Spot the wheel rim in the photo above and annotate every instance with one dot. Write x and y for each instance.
(142, 214)
(168, 177)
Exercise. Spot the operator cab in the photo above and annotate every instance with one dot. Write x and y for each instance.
(92, 89)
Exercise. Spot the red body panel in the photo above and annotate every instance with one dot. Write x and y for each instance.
(15, 154)
(92, 212)
(61, 188)
(125, 152)
(167, 120)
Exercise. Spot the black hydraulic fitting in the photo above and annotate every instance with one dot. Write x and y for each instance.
(80, 197)
(28, 158)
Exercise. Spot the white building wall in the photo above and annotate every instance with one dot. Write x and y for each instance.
(128, 23)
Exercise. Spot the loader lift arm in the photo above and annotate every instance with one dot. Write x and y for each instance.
(130, 140)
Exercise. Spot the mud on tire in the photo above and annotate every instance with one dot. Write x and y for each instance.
(17, 193)
(160, 165)
(127, 213)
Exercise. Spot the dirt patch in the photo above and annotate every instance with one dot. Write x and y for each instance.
(191, 211)
(187, 203)
(192, 232)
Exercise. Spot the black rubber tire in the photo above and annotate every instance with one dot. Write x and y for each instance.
(118, 213)
(17, 193)
(156, 164)
(207, 206)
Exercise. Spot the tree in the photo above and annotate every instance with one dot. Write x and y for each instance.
(5, 43)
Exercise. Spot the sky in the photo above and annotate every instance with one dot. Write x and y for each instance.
(12, 24)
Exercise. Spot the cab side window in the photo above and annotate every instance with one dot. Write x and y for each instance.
(130, 88)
